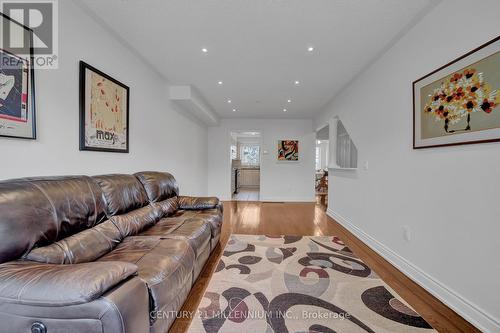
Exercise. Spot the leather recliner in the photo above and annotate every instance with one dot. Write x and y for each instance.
(111, 253)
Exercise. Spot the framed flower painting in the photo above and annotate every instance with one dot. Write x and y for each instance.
(459, 103)
(104, 112)
(288, 150)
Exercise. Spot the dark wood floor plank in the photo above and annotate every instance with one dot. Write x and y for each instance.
(308, 219)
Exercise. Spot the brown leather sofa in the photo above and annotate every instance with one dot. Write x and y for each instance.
(111, 253)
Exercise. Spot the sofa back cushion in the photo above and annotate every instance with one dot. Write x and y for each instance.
(122, 193)
(159, 185)
(132, 223)
(167, 207)
(85, 246)
(40, 211)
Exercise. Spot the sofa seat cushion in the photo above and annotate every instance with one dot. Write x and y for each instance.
(194, 230)
(165, 265)
(213, 217)
(164, 227)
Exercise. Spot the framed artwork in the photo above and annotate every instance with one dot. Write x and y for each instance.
(459, 103)
(17, 81)
(288, 150)
(104, 112)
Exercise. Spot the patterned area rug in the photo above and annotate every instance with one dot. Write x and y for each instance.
(299, 284)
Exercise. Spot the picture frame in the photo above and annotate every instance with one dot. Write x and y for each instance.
(17, 81)
(104, 111)
(459, 103)
(288, 150)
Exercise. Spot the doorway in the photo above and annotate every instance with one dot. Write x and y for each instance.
(245, 165)
(321, 176)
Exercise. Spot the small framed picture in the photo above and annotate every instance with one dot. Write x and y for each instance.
(104, 112)
(17, 81)
(459, 103)
(288, 150)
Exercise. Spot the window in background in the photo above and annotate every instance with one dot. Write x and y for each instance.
(250, 154)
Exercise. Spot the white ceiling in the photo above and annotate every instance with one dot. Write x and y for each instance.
(258, 48)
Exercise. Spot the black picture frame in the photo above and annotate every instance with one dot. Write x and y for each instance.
(83, 146)
(31, 80)
(416, 112)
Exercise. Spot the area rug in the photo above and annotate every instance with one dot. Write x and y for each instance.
(299, 284)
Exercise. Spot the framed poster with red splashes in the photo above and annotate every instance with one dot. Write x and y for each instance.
(459, 103)
(17, 80)
(104, 112)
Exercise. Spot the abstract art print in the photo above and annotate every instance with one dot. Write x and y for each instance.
(288, 150)
(104, 112)
(17, 85)
(459, 103)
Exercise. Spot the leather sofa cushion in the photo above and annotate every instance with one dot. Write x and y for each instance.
(167, 207)
(132, 223)
(196, 203)
(122, 193)
(195, 231)
(211, 216)
(159, 185)
(39, 211)
(164, 265)
(164, 227)
(31, 283)
(85, 246)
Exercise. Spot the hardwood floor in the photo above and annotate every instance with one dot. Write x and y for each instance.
(310, 219)
(247, 194)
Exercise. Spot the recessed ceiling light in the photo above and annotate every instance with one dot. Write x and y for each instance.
(289, 101)
(204, 50)
(284, 110)
(310, 49)
(297, 83)
(234, 110)
(229, 101)
(220, 83)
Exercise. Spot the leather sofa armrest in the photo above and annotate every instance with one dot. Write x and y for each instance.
(196, 203)
(33, 283)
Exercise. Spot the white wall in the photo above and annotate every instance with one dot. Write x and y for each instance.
(280, 181)
(160, 137)
(449, 197)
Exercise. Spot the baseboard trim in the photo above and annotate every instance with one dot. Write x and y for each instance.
(468, 310)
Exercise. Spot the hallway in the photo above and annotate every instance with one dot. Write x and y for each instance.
(308, 219)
